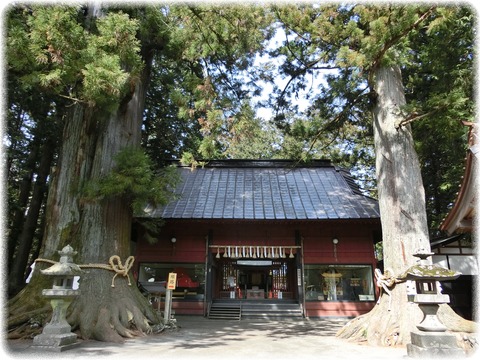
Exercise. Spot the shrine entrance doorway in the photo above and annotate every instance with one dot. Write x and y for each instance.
(256, 279)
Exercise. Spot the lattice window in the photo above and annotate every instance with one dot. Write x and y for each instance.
(280, 276)
(230, 276)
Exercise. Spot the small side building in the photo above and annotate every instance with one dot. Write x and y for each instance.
(274, 232)
(457, 251)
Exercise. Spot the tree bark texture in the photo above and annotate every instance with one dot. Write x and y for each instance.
(18, 217)
(96, 229)
(403, 214)
(25, 240)
(400, 188)
(404, 223)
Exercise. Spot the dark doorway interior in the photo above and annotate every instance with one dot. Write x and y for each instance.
(256, 279)
(461, 297)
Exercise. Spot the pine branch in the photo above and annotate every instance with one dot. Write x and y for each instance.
(394, 40)
(413, 117)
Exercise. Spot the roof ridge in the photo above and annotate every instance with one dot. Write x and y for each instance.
(259, 163)
(348, 177)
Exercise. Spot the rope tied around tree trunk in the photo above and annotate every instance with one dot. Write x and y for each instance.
(114, 264)
(385, 282)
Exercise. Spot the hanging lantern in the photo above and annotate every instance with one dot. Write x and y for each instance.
(291, 254)
(218, 253)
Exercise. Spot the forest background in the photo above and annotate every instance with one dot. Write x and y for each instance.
(87, 85)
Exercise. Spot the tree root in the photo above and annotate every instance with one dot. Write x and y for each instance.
(464, 330)
(455, 322)
(28, 311)
(381, 327)
(354, 330)
(111, 314)
(101, 312)
(36, 315)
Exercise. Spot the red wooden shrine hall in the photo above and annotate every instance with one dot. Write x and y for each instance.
(262, 231)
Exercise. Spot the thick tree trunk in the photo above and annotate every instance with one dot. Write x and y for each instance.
(17, 274)
(403, 218)
(403, 214)
(400, 188)
(25, 187)
(97, 230)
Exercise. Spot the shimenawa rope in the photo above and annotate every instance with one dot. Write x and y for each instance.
(115, 264)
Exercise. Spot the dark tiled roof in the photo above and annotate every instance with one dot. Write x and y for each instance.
(244, 189)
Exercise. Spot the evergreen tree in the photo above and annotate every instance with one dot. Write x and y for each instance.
(188, 65)
(365, 49)
(101, 60)
(439, 87)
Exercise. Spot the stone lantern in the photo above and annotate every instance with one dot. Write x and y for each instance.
(57, 335)
(431, 340)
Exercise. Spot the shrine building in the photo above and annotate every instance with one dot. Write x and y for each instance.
(251, 236)
(454, 251)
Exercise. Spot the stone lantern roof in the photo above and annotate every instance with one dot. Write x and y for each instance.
(66, 266)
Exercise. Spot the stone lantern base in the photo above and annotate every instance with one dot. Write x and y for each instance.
(56, 335)
(434, 345)
(55, 342)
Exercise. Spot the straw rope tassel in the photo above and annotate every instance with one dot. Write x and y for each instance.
(115, 264)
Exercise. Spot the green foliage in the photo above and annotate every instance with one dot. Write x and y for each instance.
(134, 179)
(52, 48)
(109, 54)
(439, 85)
(240, 136)
(434, 47)
(213, 46)
(247, 137)
(103, 77)
(202, 80)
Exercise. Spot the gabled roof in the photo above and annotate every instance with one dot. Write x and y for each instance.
(461, 217)
(256, 189)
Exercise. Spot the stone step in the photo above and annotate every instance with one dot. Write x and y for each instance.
(225, 311)
(264, 309)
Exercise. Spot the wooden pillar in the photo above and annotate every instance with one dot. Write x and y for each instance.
(209, 279)
(299, 266)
